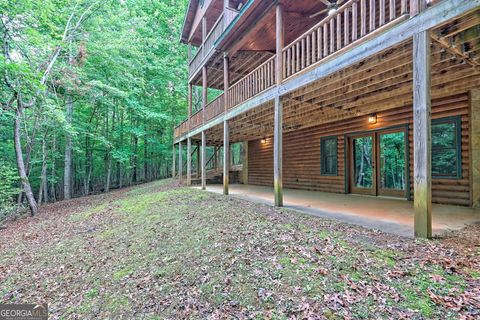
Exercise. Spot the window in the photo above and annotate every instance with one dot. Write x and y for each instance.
(328, 155)
(446, 148)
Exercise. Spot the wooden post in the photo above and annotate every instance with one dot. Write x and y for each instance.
(226, 80)
(277, 153)
(189, 52)
(190, 102)
(422, 171)
(226, 157)
(279, 43)
(417, 6)
(204, 92)
(174, 159)
(475, 146)
(180, 162)
(203, 159)
(245, 163)
(199, 161)
(204, 29)
(189, 161)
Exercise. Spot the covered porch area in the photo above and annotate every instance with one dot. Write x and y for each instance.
(390, 215)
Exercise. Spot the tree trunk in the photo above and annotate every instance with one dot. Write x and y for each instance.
(67, 176)
(43, 192)
(20, 162)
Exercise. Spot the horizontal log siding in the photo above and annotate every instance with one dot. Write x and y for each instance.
(302, 152)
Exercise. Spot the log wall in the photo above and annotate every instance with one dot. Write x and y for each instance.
(301, 153)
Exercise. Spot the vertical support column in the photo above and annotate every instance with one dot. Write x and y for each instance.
(475, 146)
(189, 161)
(422, 170)
(180, 161)
(277, 152)
(245, 163)
(203, 159)
(174, 159)
(204, 29)
(226, 157)
(189, 52)
(199, 161)
(204, 92)
(226, 80)
(190, 102)
(278, 118)
(279, 44)
(417, 6)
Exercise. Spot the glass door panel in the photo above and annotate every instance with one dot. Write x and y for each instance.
(392, 170)
(363, 179)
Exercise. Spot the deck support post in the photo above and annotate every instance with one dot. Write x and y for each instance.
(174, 159)
(245, 163)
(226, 157)
(278, 110)
(199, 161)
(475, 145)
(204, 92)
(189, 161)
(203, 159)
(279, 44)
(422, 171)
(180, 162)
(277, 153)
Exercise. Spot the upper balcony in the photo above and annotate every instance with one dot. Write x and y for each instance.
(351, 25)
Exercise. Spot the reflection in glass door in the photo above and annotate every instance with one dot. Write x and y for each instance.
(363, 164)
(392, 173)
(378, 163)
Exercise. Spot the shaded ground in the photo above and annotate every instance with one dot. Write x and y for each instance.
(162, 251)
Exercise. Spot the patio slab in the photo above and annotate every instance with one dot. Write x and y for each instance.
(386, 214)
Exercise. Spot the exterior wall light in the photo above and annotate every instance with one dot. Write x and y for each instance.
(333, 9)
(263, 140)
(372, 119)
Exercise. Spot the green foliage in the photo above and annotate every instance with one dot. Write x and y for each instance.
(8, 190)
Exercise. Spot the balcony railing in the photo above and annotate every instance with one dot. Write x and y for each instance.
(208, 45)
(353, 21)
(252, 84)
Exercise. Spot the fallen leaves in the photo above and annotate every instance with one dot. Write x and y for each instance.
(168, 251)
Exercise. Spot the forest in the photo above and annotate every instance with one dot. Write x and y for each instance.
(90, 92)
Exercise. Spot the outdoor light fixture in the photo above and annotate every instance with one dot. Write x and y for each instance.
(372, 119)
(263, 141)
(333, 9)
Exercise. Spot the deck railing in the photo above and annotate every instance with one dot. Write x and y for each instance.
(208, 45)
(260, 79)
(352, 21)
(215, 108)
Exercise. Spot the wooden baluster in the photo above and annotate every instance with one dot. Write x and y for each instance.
(354, 21)
(314, 48)
(325, 40)
(285, 64)
(332, 35)
(289, 61)
(363, 18)
(382, 12)
(339, 31)
(319, 43)
(302, 54)
(372, 15)
(308, 50)
(297, 58)
(346, 27)
(392, 9)
(403, 8)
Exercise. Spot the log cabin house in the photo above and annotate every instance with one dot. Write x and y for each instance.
(372, 97)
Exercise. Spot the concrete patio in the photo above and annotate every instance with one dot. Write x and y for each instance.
(385, 214)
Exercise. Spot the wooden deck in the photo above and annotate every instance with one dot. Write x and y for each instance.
(355, 24)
